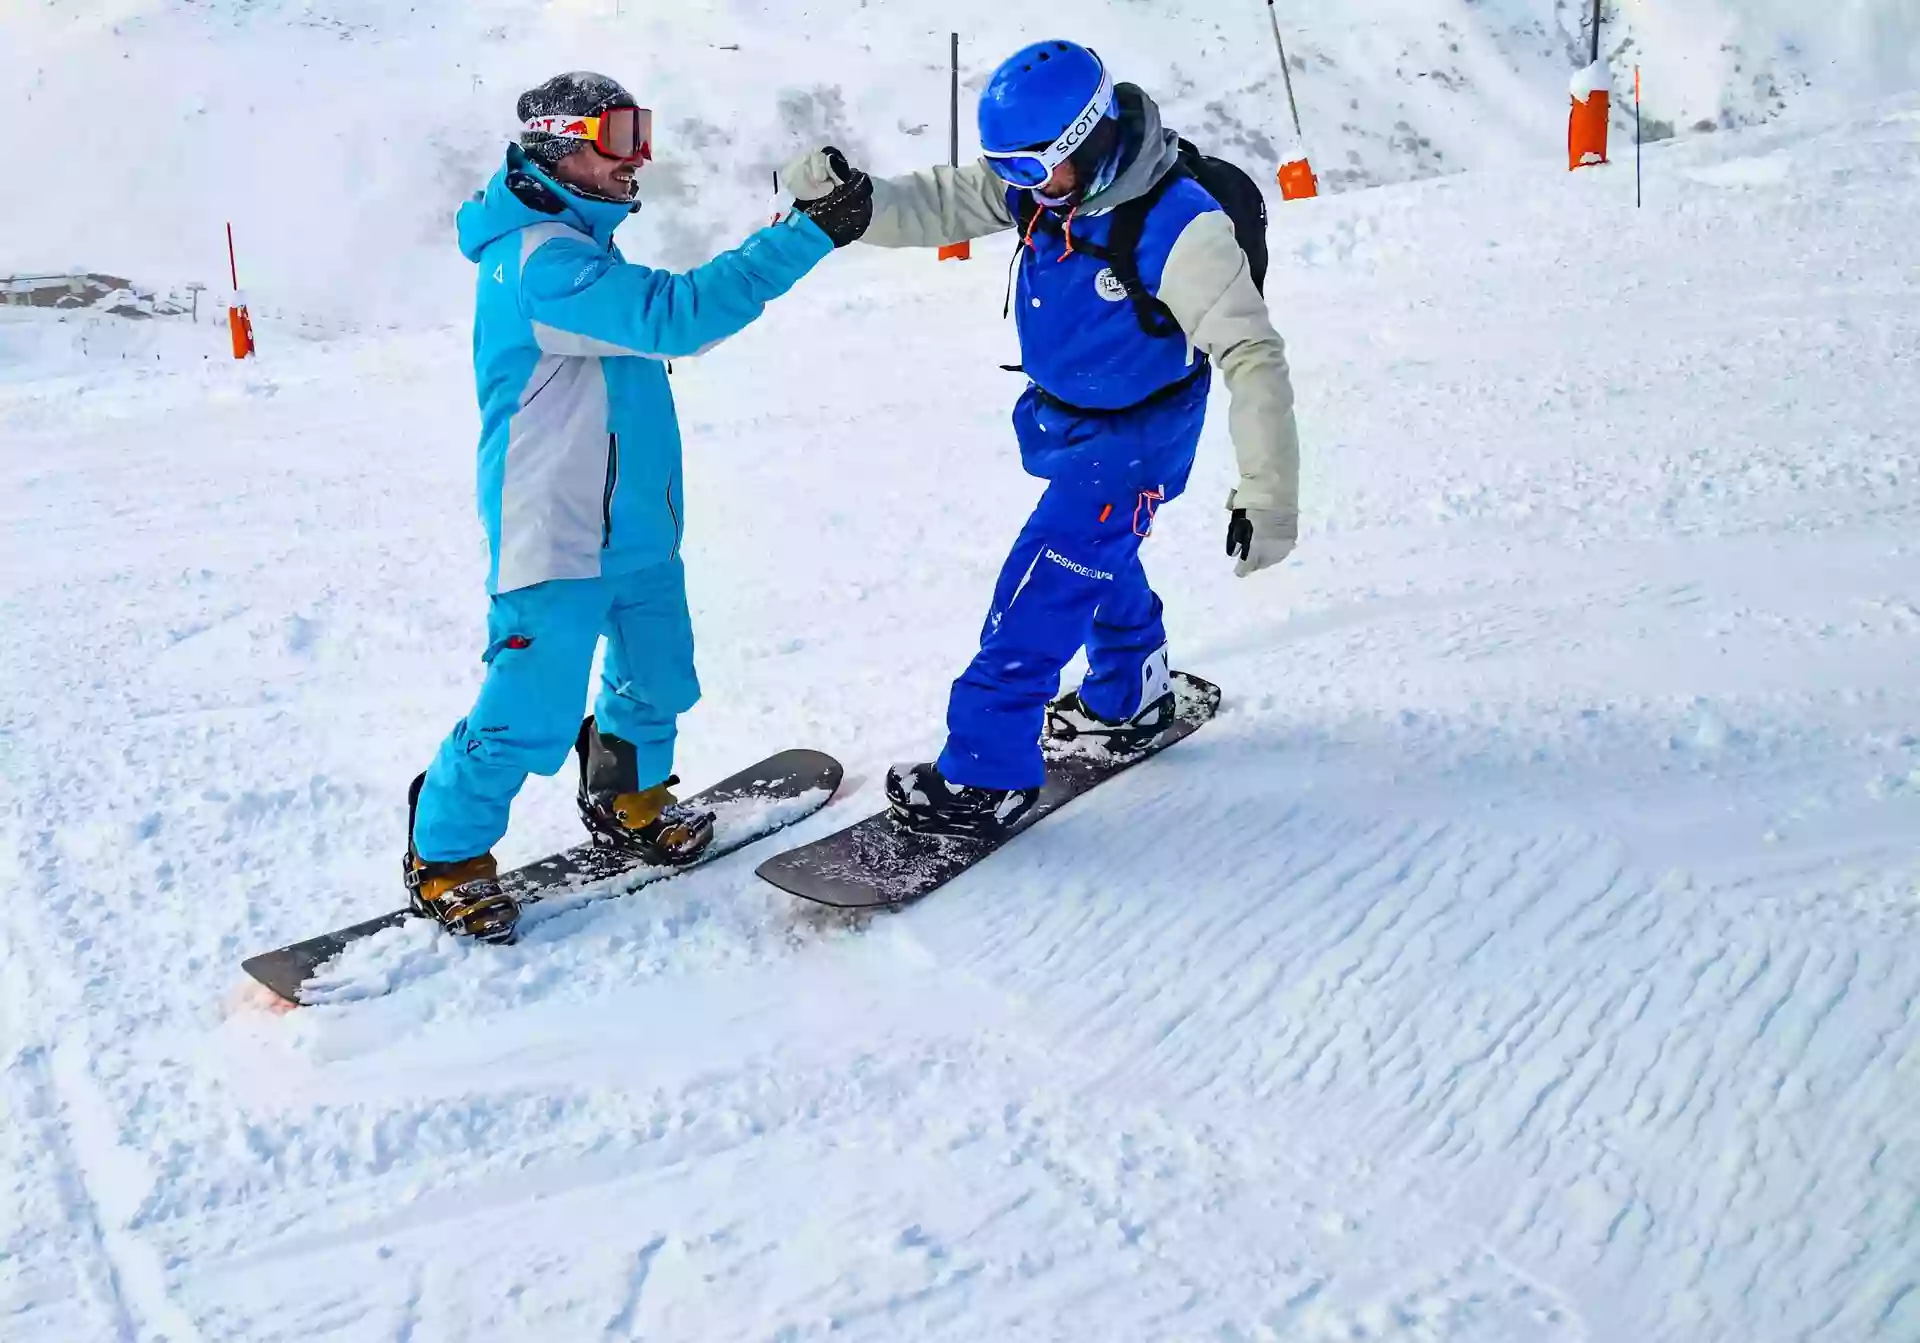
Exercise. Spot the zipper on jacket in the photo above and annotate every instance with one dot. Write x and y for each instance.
(673, 513)
(606, 498)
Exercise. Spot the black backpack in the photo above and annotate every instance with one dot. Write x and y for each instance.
(1237, 194)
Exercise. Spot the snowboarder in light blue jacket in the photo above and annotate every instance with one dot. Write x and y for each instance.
(580, 492)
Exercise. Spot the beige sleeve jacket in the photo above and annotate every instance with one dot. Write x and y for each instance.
(927, 209)
(1207, 285)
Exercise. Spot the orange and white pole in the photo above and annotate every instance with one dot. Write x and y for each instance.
(1638, 198)
(1297, 182)
(239, 322)
(959, 251)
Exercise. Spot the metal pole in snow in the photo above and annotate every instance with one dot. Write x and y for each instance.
(958, 251)
(953, 123)
(1596, 32)
(1286, 71)
(239, 321)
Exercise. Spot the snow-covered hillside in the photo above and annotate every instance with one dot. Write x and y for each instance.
(340, 134)
(1525, 954)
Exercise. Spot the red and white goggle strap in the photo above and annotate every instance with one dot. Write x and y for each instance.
(568, 128)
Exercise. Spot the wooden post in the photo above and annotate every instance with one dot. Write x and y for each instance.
(960, 251)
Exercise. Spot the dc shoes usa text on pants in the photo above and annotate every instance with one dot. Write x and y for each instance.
(1074, 579)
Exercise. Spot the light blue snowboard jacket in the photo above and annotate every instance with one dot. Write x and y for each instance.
(579, 472)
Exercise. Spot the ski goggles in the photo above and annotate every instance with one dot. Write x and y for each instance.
(624, 133)
(1032, 167)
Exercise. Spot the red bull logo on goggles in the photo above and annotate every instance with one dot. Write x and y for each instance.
(1032, 167)
(623, 133)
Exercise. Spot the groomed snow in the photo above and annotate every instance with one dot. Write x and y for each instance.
(1526, 953)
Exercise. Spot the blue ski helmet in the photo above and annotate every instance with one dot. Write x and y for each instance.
(1046, 104)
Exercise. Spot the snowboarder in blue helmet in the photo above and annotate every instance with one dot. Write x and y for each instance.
(580, 492)
(1134, 279)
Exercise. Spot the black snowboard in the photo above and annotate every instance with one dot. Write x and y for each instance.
(875, 864)
(742, 816)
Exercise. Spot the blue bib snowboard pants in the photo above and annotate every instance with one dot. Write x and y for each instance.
(1073, 580)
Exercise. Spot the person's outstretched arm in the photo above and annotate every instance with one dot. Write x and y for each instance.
(935, 208)
(583, 301)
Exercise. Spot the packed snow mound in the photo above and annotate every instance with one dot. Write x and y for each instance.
(339, 135)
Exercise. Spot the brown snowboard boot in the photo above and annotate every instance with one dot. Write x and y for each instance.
(464, 897)
(649, 823)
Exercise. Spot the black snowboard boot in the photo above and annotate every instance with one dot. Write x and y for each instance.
(463, 897)
(923, 800)
(1069, 719)
(649, 823)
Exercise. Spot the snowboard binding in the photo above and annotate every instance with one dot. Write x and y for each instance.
(463, 897)
(1070, 720)
(923, 800)
(648, 823)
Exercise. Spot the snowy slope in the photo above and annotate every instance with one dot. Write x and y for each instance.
(1525, 954)
(340, 134)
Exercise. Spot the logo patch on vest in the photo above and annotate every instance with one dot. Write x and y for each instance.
(1108, 286)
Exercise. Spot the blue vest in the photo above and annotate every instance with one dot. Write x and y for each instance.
(1083, 347)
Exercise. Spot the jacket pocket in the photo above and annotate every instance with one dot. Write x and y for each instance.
(606, 496)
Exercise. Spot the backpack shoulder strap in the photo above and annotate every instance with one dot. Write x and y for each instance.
(1123, 247)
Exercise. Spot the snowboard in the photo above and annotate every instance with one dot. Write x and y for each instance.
(878, 864)
(761, 799)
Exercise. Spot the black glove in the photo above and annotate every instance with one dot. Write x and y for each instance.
(845, 214)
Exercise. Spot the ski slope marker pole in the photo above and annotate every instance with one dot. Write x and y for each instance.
(959, 251)
(1587, 123)
(1297, 182)
(239, 321)
(1638, 197)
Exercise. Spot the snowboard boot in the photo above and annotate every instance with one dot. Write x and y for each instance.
(649, 823)
(923, 800)
(1069, 718)
(463, 897)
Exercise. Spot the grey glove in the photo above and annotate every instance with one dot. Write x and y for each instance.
(1260, 539)
(845, 212)
(810, 177)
